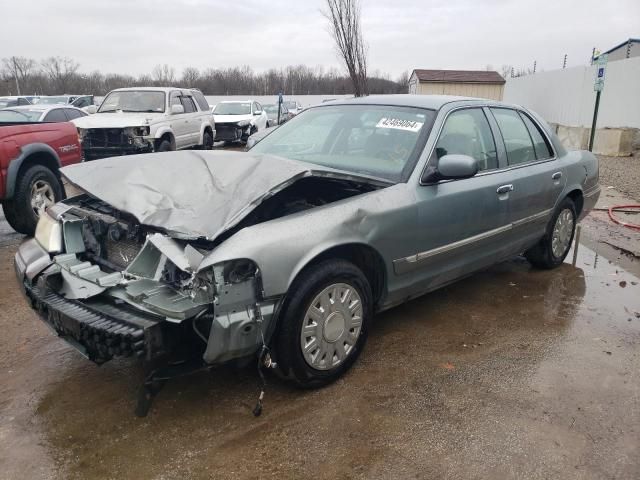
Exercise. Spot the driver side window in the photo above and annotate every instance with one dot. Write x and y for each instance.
(467, 132)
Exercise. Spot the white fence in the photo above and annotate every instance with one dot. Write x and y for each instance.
(566, 96)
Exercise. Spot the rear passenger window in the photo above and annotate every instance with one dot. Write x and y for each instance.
(71, 113)
(467, 132)
(540, 145)
(516, 136)
(202, 101)
(187, 103)
(56, 115)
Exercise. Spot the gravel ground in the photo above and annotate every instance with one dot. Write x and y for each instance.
(623, 173)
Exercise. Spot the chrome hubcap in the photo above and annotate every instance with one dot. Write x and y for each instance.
(41, 196)
(331, 326)
(562, 232)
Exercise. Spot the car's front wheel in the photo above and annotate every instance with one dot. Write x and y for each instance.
(553, 248)
(325, 323)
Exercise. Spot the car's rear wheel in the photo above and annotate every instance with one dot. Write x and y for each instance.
(553, 248)
(37, 188)
(325, 323)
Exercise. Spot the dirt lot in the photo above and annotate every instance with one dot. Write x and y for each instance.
(511, 373)
(622, 173)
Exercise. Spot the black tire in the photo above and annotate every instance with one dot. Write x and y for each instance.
(18, 211)
(164, 146)
(310, 283)
(541, 255)
(207, 140)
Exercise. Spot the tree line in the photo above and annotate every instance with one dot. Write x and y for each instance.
(62, 75)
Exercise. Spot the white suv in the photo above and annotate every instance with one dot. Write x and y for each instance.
(237, 120)
(145, 119)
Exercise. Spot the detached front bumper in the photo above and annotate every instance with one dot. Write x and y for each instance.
(102, 326)
(98, 329)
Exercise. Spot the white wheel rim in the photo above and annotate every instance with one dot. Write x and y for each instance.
(42, 196)
(331, 327)
(562, 233)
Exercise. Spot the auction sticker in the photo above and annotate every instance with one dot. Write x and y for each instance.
(399, 124)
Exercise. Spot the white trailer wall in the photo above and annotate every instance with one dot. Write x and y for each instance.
(566, 97)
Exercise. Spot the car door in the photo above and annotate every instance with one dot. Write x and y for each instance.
(536, 177)
(178, 122)
(462, 222)
(192, 122)
(260, 116)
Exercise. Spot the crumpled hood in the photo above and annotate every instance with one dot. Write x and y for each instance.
(232, 118)
(192, 194)
(116, 120)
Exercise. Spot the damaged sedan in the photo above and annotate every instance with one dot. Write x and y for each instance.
(285, 252)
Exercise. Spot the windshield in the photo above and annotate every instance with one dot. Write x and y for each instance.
(13, 116)
(270, 108)
(382, 141)
(291, 105)
(133, 101)
(233, 108)
(52, 100)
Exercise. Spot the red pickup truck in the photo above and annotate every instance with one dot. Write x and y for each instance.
(31, 155)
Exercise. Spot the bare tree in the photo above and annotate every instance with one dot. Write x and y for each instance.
(506, 70)
(164, 75)
(403, 82)
(20, 68)
(344, 26)
(60, 70)
(190, 77)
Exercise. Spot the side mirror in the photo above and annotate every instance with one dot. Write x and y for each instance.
(91, 109)
(177, 109)
(258, 112)
(456, 166)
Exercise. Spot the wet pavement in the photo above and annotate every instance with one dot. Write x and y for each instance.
(511, 373)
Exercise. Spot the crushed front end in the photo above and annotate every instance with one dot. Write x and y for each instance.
(233, 131)
(112, 287)
(112, 142)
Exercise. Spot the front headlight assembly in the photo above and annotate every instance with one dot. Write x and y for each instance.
(49, 233)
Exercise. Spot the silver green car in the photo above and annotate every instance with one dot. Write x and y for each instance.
(287, 251)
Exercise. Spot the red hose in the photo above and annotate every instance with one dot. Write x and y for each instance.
(635, 226)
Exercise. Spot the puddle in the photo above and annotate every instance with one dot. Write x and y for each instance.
(512, 372)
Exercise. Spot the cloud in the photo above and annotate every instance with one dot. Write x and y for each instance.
(124, 36)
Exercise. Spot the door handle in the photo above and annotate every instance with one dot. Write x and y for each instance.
(504, 189)
(556, 176)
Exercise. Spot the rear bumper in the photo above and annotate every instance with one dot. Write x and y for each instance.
(590, 199)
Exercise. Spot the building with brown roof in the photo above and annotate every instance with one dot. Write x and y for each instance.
(467, 83)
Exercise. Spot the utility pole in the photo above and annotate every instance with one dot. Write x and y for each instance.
(15, 74)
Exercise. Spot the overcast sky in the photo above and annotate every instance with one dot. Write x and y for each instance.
(131, 36)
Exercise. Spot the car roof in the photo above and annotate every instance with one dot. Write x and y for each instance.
(151, 89)
(43, 108)
(432, 102)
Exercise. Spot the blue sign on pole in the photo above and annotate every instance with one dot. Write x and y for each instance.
(280, 97)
